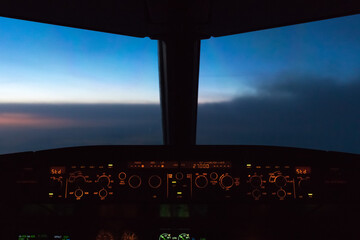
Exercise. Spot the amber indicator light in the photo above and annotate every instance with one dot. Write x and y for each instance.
(57, 170)
(303, 170)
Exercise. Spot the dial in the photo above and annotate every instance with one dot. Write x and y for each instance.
(281, 193)
(134, 181)
(213, 176)
(104, 180)
(179, 176)
(201, 181)
(280, 181)
(256, 194)
(104, 235)
(103, 194)
(122, 176)
(184, 236)
(80, 180)
(79, 193)
(165, 236)
(155, 181)
(256, 181)
(226, 181)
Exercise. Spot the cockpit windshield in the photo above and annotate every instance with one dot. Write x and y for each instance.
(63, 87)
(294, 86)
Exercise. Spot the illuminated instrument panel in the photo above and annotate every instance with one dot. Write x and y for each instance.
(161, 192)
(199, 174)
(180, 181)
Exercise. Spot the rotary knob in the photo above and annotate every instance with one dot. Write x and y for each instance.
(281, 193)
(179, 176)
(256, 193)
(280, 181)
(104, 180)
(103, 193)
(134, 181)
(255, 181)
(122, 176)
(78, 193)
(201, 181)
(155, 181)
(213, 176)
(226, 181)
(80, 180)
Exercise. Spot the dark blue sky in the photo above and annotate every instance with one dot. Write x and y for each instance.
(291, 86)
(233, 66)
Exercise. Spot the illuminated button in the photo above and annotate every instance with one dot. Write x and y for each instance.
(201, 181)
(134, 181)
(155, 181)
(281, 193)
(255, 181)
(280, 181)
(213, 176)
(179, 176)
(122, 176)
(79, 193)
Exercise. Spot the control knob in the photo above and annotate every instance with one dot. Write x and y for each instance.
(201, 181)
(103, 193)
(256, 181)
(80, 180)
(104, 180)
(280, 181)
(256, 193)
(281, 193)
(155, 181)
(134, 181)
(226, 181)
(78, 193)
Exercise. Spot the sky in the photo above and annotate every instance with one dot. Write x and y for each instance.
(291, 86)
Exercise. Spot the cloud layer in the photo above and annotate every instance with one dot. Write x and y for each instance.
(287, 110)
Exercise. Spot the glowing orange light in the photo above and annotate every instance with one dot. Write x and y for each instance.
(26, 120)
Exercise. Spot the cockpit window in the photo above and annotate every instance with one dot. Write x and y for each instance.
(62, 87)
(296, 86)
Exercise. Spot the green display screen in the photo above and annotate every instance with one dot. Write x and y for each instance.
(43, 237)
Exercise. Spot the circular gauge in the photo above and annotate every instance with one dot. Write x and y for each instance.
(104, 235)
(184, 236)
(129, 236)
(165, 236)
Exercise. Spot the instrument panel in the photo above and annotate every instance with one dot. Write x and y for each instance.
(199, 181)
(186, 175)
(163, 192)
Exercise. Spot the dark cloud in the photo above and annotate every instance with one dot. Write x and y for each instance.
(288, 110)
(99, 124)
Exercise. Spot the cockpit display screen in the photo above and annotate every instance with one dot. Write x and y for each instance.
(206, 165)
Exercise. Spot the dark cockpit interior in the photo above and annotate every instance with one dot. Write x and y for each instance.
(179, 190)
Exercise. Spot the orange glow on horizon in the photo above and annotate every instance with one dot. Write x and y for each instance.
(31, 120)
